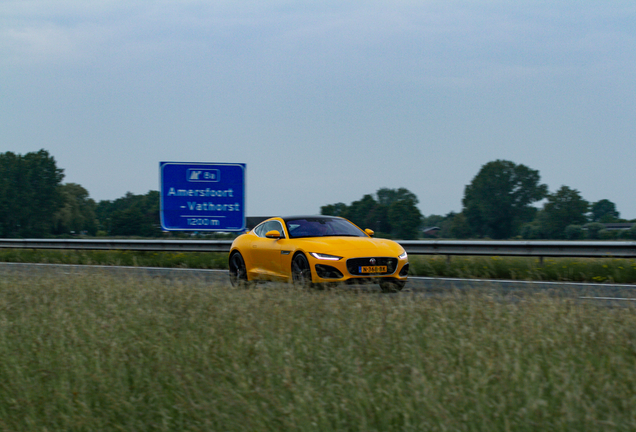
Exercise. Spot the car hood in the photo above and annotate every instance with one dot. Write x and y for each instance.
(363, 246)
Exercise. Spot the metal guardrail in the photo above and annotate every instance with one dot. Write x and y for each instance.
(590, 249)
(119, 244)
(600, 249)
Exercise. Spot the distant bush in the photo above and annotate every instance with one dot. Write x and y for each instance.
(574, 232)
(606, 234)
(593, 230)
(531, 231)
(629, 234)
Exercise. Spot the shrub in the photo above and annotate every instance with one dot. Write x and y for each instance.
(574, 232)
(531, 231)
(606, 234)
(593, 229)
(629, 234)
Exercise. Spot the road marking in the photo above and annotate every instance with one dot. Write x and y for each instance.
(577, 284)
(608, 298)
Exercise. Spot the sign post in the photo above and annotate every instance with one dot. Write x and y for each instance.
(202, 196)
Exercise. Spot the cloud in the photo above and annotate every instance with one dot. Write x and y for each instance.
(408, 40)
(36, 44)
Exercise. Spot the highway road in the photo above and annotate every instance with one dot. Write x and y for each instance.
(422, 286)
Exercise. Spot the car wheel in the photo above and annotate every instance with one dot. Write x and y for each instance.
(301, 272)
(391, 286)
(238, 271)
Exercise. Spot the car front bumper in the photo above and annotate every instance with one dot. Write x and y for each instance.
(349, 270)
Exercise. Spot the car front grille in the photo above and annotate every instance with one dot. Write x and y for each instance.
(354, 264)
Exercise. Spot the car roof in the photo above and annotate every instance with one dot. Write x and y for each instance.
(288, 218)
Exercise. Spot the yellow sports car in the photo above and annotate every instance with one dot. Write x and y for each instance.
(308, 250)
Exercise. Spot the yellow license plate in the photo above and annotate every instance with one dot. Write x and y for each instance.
(372, 269)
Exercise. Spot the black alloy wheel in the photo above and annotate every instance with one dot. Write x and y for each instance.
(301, 272)
(238, 271)
(391, 286)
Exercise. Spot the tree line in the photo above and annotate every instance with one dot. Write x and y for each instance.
(390, 213)
(35, 203)
(501, 202)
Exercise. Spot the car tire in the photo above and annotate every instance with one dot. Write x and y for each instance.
(391, 286)
(238, 270)
(301, 272)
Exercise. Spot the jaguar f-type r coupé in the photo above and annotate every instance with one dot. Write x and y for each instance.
(307, 250)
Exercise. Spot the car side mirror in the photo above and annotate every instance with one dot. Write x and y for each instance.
(369, 232)
(274, 234)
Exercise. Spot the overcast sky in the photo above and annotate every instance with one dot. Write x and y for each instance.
(325, 101)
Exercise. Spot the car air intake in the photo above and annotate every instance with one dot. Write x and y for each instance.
(328, 272)
(405, 270)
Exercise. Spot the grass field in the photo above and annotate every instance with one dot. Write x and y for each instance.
(515, 268)
(87, 353)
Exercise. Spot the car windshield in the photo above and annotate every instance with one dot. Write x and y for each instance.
(322, 227)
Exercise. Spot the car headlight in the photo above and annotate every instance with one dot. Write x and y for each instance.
(322, 256)
(403, 255)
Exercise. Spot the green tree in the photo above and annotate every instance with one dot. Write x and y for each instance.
(29, 195)
(459, 228)
(574, 232)
(394, 212)
(629, 234)
(606, 234)
(77, 213)
(9, 187)
(564, 207)
(338, 209)
(362, 212)
(388, 196)
(446, 225)
(533, 230)
(604, 211)
(128, 222)
(433, 220)
(405, 219)
(498, 200)
(593, 229)
(131, 215)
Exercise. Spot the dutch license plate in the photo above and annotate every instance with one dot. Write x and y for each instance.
(372, 269)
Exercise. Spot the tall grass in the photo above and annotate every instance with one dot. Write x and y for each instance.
(86, 353)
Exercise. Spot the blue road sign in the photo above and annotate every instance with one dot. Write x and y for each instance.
(202, 196)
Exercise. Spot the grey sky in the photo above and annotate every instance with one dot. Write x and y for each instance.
(324, 101)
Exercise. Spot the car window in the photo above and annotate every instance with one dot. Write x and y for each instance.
(275, 226)
(322, 227)
(259, 230)
(265, 227)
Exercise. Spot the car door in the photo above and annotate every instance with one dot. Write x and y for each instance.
(266, 252)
